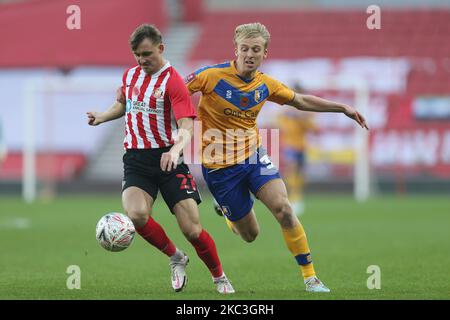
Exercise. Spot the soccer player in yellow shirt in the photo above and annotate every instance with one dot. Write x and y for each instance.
(233, 161)
(294, 128)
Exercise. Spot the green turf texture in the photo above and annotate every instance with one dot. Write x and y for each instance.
(407, 237)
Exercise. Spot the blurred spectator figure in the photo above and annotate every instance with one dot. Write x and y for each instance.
(294, 128)
(3, 148)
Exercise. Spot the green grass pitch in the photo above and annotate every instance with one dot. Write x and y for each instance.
(407, 237)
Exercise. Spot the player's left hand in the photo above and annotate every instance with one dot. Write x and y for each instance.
(169, 160)
(355, 115)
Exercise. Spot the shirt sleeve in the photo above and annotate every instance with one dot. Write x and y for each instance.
(196, 81)
(120, 92)
(180, 100)
(120, 95)
(279, 93)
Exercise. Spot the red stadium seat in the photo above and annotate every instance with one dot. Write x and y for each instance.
(410, 33)
(59, 166)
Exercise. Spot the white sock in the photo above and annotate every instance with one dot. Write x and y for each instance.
(217, 278)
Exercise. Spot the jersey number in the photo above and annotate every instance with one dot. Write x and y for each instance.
(265, 160)
(187, 182)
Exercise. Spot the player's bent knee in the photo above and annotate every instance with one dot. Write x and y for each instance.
(250, 235)
(189, 225)
(285, 216)
(192, 234)
(139, 218)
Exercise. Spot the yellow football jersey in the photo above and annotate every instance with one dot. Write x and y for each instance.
(294, 126)
(228, 110)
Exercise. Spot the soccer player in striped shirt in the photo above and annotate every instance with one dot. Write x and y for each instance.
(158, 124)
(233, 161)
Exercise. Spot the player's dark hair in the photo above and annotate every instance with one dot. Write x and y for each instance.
(145, 31)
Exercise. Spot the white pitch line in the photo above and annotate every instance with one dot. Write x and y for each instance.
(15, 223)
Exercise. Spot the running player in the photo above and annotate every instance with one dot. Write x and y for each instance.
(158, 122)
(233, 161)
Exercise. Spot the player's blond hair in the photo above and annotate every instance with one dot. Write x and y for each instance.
(251, 30)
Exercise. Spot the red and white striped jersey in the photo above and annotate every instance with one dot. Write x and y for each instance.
(153, 105)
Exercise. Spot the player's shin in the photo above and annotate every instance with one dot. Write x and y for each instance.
(206, 250)
(154, 234)
(297, 243)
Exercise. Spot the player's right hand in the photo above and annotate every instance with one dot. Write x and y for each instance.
(355, 115)
(93, 118)
(169, 160)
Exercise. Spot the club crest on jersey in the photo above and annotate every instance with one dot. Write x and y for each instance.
(258, 95)
(226, 210)
(136, 91)
(158, 93)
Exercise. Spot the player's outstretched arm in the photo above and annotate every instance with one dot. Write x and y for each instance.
(169, 160)
(116, 111)
(312, 103)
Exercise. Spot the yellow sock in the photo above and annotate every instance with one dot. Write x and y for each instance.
(297, 243)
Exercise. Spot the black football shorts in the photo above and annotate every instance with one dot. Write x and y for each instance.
(142, 169)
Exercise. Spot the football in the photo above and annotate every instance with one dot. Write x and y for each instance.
(115, 231)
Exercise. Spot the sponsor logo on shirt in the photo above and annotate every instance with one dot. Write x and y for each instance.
(128, 106)
(140, 106)
(248, 114)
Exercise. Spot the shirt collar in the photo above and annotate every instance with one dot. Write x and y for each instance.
(157, 74)
(235, 71)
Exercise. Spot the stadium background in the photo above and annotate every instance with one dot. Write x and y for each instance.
(402, 227)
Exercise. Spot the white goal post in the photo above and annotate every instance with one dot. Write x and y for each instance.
(50, 86)
(359, 87)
